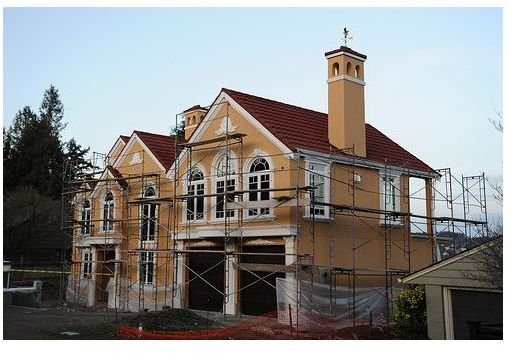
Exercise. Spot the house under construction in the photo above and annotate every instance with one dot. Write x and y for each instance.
(263, 206)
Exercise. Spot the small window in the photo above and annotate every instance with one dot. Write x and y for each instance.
(335, 69)
(193, 121)
(349, 68)
(188, 120)
(357, 71)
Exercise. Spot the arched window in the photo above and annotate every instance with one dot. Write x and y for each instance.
(259, 185)
(108, 214)
(335, 69)
(225, 172)
(357, 71)
(85, 218)
(188, 120)
(349, 68)
(196, 187)
(193, 121)
(224, 166)
(149, 217)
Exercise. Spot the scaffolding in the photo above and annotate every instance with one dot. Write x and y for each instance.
(139, 267)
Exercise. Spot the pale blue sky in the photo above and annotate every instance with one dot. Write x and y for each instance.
(434, 76)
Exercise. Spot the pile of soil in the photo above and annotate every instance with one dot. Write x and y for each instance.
(172, 320)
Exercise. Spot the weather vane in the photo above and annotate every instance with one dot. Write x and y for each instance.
(347, 36)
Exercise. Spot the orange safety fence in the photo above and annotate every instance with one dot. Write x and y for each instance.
(265, 327)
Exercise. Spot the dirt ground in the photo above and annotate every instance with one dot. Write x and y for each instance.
(50, 322)
(68, 323)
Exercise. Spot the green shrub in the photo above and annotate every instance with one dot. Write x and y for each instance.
(410, 313)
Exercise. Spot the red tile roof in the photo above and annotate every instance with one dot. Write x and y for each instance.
(195, 107)
(346, 50)
(162, 146)
(303, 128)
(125, 138)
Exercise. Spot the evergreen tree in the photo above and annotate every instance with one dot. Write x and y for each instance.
(76, 160)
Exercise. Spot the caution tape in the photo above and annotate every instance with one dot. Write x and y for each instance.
(53, 271)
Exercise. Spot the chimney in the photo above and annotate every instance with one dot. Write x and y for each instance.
(346, 118)
(193, 117)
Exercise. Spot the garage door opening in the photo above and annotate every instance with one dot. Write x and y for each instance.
(258, 297)
(206, 294)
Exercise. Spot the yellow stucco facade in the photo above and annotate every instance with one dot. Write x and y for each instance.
(189, 216)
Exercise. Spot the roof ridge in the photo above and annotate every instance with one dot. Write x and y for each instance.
(161, 135)
(269, 99)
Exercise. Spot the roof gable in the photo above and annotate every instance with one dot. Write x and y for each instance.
(299, 127)
(161, 146)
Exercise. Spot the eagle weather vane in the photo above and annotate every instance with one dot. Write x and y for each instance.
(347, 36)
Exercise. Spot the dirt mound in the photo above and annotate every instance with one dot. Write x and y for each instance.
(172, 320)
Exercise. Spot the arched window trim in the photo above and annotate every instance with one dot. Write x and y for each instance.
(258, 179)
(85, 218)
(149, 215)
(219, 171)
(108, 212)
(194, 184)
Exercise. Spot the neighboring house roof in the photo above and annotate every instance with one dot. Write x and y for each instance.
(448, 261)
(161, 146)
(299, 128)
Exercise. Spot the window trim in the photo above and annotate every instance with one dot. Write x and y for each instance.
(221, 178)
(106, 225)
(186, 184)
(326, 189)
(156, 217)
(86, 222)
(258, 174)
(140, 265)
(87, 263)
(396, 186)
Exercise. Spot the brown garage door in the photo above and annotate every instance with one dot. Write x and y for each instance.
(260, 297)
(477, 314)
(202, 295)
